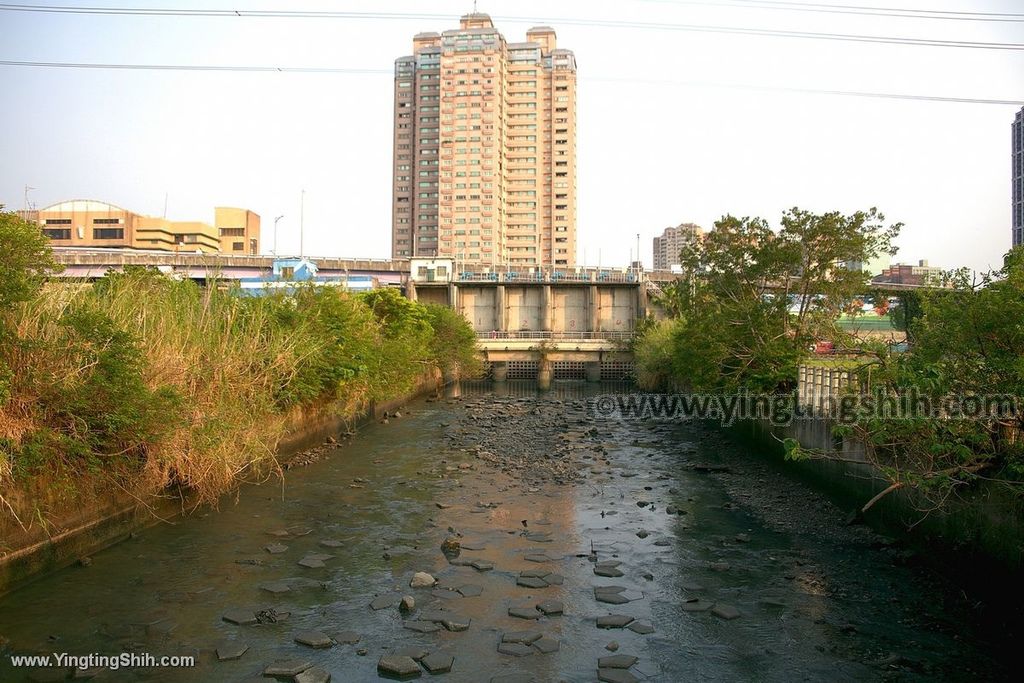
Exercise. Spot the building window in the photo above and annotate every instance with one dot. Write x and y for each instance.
(232, 232)
(57, 233)
(58, 221)
(108, 233)
(106, 221)
(238, 246)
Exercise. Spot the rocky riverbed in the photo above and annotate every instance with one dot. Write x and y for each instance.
(507, 538)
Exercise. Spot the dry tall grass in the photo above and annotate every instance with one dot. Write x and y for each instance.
(229, 372)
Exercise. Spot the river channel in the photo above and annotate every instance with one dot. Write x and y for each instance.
(712, 565)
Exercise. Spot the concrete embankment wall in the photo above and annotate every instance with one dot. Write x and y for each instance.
(91, 527)
(984, 525)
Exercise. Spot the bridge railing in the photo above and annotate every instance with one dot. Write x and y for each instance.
(547, 276)
(608, 335)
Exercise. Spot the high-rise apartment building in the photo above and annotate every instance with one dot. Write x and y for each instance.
(1017, 177)
(485, 148)
(670, 244)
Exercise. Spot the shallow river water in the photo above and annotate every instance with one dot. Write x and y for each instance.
(746, 577)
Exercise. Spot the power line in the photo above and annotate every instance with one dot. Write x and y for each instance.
(599, 79)
(906, 12)
(195, 67)
(598, 23)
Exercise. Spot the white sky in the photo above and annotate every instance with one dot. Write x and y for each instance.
(660, 140)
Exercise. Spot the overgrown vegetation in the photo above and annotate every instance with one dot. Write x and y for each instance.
(753, 301)
(963, 380)
(141, 382)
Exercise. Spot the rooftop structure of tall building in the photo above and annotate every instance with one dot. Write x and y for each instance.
(485, 148)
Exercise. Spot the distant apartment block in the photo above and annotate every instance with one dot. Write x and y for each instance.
(905, 274)
(1017, 178)
(485, 148)
(668, 247)
(91, 223)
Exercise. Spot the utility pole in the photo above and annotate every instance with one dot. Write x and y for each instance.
(275, 232)
(302, 224)
(27, 188)
(638, 251)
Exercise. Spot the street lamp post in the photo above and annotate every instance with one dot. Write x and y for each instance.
(275, 233)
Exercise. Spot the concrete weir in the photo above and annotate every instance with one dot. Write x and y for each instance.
(544, 325)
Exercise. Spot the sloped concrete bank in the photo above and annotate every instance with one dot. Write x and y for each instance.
(115, 517)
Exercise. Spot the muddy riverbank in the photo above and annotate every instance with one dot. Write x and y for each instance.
(570, 541)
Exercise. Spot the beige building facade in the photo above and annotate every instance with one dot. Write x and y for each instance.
(668, 246)
(96, 224)
(485, 148)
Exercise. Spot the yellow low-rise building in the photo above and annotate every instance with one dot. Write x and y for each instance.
(91, 223)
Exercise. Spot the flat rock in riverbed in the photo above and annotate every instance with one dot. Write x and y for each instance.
(531, 582)
(385, 601)
(615, 676)
(641, 627)
(275, 587)
(524, 613)
(231, 650)
(413, 651)
(551, 607)
(347, 637)
(611, 597)
(616, 620)
(400, 667)
(470, 590)
(438, 663)
(524, 637)
(242, 617)
(616, 662)
(456, 623)
(537, 557)
(287, 668)
(421, 626)
(547, 645)
(275, 548)
(607, 571)
(314, 639)
(313, 675)
(515, 649)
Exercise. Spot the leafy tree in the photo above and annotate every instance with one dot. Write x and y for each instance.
(732, 307)
(25, 259)
(818, 249)
(453, 344)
